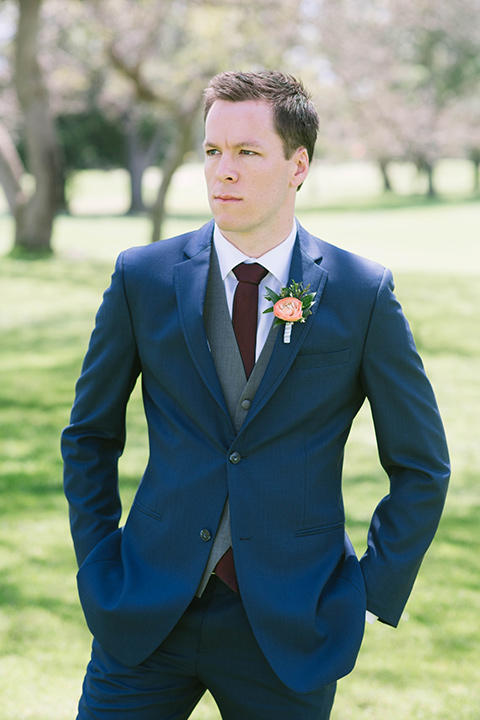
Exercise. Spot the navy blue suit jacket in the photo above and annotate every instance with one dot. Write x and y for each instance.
(302, 586)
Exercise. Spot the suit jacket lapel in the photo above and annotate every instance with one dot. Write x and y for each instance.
(305, 268)
(191, 278)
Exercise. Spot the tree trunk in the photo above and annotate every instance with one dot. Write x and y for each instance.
(135, 166)
(34, 218)
(139, 158)
(136, 169)
(429, 169)
(178, 148)
(475, 158)
(387, 185)
(11, 171)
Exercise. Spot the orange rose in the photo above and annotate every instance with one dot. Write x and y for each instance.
(288, 309)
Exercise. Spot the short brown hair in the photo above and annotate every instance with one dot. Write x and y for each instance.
(294, 115)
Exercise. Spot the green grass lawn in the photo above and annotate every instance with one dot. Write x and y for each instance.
(429, 667)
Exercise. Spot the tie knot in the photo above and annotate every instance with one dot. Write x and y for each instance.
(250, 273)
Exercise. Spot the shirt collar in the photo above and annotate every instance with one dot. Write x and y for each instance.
(277, 261)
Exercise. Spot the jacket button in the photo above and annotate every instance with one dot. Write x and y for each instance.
(205, 534)
(235, 458)
(245, 404)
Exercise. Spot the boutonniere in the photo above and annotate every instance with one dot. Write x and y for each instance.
(294, 304)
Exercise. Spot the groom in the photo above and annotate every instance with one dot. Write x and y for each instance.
(233, 571)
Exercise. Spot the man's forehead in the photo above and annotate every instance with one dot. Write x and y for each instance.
(242, 110)
(246, 120)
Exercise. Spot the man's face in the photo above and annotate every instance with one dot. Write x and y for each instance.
(251, 185)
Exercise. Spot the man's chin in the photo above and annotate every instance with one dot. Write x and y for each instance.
(229, 226)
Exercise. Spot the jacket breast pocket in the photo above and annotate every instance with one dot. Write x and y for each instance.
(319, 360)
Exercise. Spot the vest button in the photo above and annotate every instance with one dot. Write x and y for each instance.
(246, 404)
(205, 534)
(235, 458)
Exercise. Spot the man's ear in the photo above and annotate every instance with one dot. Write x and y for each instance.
(301, 167)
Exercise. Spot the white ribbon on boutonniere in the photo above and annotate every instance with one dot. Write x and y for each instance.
(294, 304)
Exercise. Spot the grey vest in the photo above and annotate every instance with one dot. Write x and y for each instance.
(237, 391)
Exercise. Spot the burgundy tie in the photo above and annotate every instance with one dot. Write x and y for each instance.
(244, 317)
(245, 306)
(225, 570)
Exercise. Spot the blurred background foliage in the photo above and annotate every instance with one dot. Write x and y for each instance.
(118, 84)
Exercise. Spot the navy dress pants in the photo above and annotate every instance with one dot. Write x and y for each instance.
(212, 647)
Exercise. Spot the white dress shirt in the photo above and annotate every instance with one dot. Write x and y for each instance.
(276, 261)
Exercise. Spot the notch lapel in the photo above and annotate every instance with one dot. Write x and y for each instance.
(190, 279)
(305, 268)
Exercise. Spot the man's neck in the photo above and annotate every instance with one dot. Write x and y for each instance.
(255, 245)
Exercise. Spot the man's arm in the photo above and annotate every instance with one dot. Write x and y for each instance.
(413, 452)
(95, 438)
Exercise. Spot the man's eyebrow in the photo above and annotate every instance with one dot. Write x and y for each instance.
(237, 146)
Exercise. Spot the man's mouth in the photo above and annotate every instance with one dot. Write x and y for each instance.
(227, 198)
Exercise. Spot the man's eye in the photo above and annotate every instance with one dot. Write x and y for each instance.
(211, 151)
(248, 152)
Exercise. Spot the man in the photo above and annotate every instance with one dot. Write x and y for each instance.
(233, 571)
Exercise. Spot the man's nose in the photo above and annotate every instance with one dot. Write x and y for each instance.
(226, 170)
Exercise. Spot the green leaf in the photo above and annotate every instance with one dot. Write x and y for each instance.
(272, 296)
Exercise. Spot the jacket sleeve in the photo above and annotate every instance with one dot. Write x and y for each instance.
(95, 438)
(413, 451)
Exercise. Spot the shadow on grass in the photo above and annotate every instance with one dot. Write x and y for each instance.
(17, 597)
(20, 253)
(391, 201)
